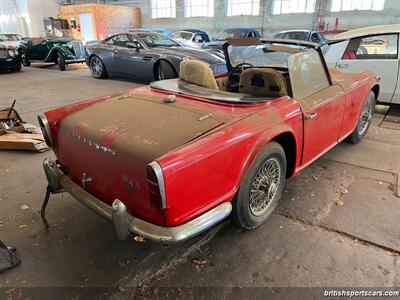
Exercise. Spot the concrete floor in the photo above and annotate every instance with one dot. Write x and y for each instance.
(336, 226)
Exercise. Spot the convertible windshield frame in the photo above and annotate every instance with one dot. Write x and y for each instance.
(276, 43)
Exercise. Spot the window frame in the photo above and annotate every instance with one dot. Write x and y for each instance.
(371, 56)
(355, 9)
(275, 2)
(155, 7)
(188, 5)
(229, 4)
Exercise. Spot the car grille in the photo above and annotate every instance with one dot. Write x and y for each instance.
(3, 53)
(79, 49)
(219, 69)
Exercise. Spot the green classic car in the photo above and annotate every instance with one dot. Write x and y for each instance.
(62, 51)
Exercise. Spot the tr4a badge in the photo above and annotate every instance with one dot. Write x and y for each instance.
(133, 185)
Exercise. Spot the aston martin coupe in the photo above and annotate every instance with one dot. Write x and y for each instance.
(145, 56)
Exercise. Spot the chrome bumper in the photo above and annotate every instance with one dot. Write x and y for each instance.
(77, 60)
(123, 221)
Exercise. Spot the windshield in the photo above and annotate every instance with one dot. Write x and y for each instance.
(9, 37)
(292, 35)
(258, 55)
(231, 34)
(157, 40)
(183, 35)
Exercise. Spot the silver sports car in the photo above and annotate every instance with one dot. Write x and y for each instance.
(145, 56)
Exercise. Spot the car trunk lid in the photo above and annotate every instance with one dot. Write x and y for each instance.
(106, 147)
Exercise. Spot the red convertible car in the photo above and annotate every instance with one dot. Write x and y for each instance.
(170, 160)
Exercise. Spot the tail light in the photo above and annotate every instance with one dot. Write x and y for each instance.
(155, 180)
(45, 127)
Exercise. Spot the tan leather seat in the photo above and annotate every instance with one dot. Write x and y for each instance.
(263, 82)
(199, 73)
(36, 40)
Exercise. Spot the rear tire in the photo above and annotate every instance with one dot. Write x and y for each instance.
(261, 189)
(365, 120)
(165, 70)
(24, 59)
(60, 61)
(97, 68)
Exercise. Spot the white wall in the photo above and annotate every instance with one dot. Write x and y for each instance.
(26, 16)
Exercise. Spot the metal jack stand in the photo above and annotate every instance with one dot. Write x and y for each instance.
(49, 192)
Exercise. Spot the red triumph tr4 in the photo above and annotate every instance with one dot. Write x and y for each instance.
(170, 160)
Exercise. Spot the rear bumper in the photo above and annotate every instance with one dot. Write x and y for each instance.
(124, 222)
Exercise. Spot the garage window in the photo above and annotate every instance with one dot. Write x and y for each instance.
(243, 8)
(373, 47)
(293, 6)
(199, 8)
(163, 9)
(348, 5)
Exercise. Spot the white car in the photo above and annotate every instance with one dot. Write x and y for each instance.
(191, 38)
(10, 39)
(373, 49)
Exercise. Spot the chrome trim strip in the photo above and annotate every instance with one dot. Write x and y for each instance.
(125, 223)
(160, 180)
(46, 125)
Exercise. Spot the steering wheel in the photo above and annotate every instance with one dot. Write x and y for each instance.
(234, 76)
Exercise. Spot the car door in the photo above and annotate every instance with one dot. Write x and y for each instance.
(120, 53)
(38, 49)
(376, 53)
(321, 102)
(134, 62)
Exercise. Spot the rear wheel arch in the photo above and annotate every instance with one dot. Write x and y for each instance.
(288, 143)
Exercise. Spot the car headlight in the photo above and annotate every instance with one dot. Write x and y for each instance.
(69, 45)
(11, 52)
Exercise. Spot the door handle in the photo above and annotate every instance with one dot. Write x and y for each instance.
(147, 58)
(343, 66)
(309, 116)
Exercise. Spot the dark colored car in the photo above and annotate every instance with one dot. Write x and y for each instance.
(302, 35)
(62, 51)
(232, 33)
(9, 59)
(145, 56)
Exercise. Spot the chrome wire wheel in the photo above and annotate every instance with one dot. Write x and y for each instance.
(265, 186)
(366, 117)
(96, 67)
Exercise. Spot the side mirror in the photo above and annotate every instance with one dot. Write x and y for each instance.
(133, 45)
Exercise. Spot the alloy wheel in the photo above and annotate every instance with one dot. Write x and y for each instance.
(96, 67)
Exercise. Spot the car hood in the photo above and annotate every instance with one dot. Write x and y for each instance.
(191, 53)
